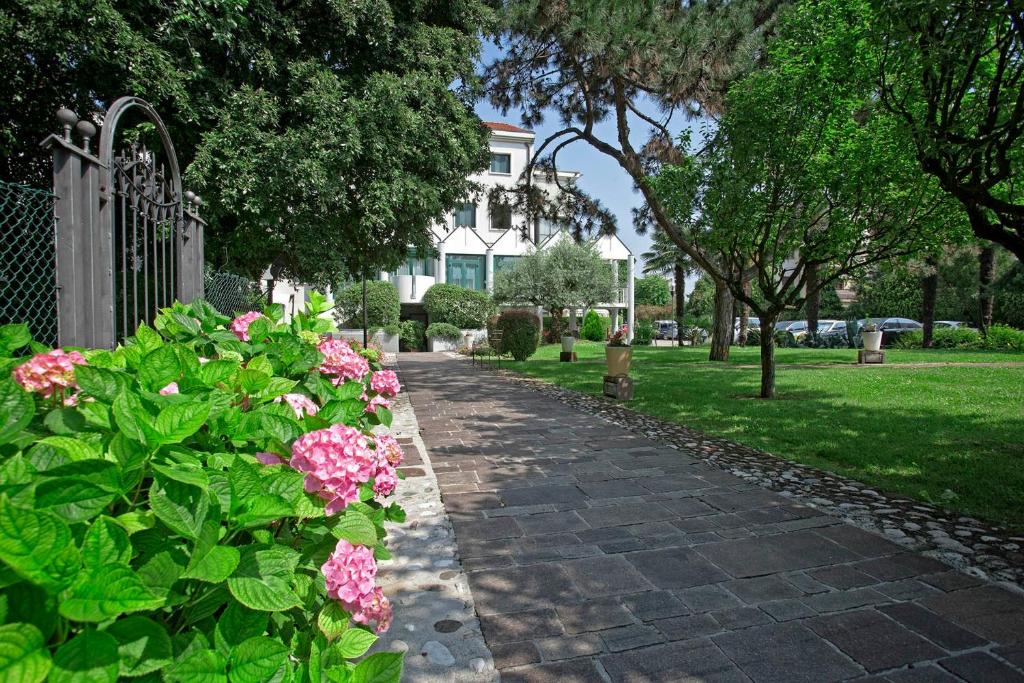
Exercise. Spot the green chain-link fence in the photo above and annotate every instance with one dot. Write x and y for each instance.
(28, 286)
(230, 293)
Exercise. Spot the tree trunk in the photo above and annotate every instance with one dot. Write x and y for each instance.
(986, 275)
(680, 293)
(365, 330)
(721, 332)
(813, 303)
(768, 356)
(744, 317)
(929, 291)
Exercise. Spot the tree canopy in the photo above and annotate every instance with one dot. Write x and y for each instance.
(565, 275)
(651, 291)
(324, 137)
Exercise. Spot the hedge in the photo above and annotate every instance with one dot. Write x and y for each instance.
(595, 327)
(411, 334)
(445, 331)
(382, 306)
(467, 309)
(520, 333)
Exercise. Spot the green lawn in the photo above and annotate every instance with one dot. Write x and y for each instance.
(920, 431)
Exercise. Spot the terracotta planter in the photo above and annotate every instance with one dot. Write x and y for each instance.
(567, 343)
(872, 340)
(618, 358)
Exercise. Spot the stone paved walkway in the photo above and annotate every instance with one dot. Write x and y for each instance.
(595, 554)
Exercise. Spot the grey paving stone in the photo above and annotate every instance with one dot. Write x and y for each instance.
(571, 671)
(569, 647)
(688, 627)
(630, 637)
(517, 626)
(842, 577)
(900, 566)
(747, 500)
(615, 488)
(708, 598)
(486, 529)
(470, 502)
(771, 554)
(1013, 654)
(673, 483)
(687, 507)
(652, 605)
(785, 652)
(844, 600)
(906, 589)
(593, 615)
(929, 673)
(621, 515)
(694, 660)
(762, 589)
(932, 626)
(551, 522)
(507, 655)
(874, 641)
(599, 576)
(539, 495)
(516, 589)
(676, 568)
(740, 617)
(989, 611)
(950, 581)
(787, 610)
(978, 667)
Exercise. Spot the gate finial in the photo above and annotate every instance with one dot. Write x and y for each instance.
(67, 119)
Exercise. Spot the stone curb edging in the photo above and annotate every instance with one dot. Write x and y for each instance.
(435, 620)
(972, 546)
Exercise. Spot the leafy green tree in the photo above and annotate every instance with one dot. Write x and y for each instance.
(324, 137)
(651, 291)
(952, 72)
(668, 259)
(805, 173)
(701, 301)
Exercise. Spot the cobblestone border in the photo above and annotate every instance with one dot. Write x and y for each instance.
(977, 548)
(435, 621)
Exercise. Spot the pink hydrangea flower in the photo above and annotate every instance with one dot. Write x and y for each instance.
(335, 461)
(171, 388)
(45, 373)
(341, 362)
(385, 383)
(269, 458)
(376, 402)
(378, 609)
(349, 573)
(385, 480)
(240, 325)
(300, 403)
(388, 448)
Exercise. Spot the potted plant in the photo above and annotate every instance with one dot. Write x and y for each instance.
(618, 353)
(568, 341)
(872, 336)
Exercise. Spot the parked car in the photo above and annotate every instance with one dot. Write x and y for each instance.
(831, 327)
(753, 323)
(953, 325)
(666, 329)
(891, 327)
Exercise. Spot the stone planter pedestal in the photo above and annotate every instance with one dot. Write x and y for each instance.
(619, 387)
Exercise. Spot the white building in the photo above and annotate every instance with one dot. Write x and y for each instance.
(476, 241)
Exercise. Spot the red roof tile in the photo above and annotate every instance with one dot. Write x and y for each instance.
(506, 127)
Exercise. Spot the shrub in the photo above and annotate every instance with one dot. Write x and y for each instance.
(150, 525)
(644, 312)
(464, 308)
(1003, 338)
(382, 306)
(444, 331)
(520, 333)
(410, 335)
(643, 333)
(595, 326)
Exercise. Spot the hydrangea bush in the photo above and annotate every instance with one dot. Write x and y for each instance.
(207, 502)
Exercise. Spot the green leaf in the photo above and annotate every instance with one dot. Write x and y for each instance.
(159, 368)
(30, 604)
(355, 642)
(253, 381)
(384, 416)
(73, 498)
(105, 543)
(107, 592)
(278, 386)
(351, 389)
(89, 657)
(178, 422)
(148, 339)
(99, 382)
(38, 546)
(129, 453)
(14, 337)
(71, 449)
(96, 414)
(217, 371)
(333, 620)
(262, 364)
(259, 329)
(284, 429)
(16, 410)
(142, 644)
(187, 323)
(263, 578)
(236, 624)
(136, 521)
(382, 667)
(256, 659)
(185, 473)
(211, 562)
(200, 666)
(65, 421)
(180, 506)
(23, 654)
(347, 411)
(356, 528)
(395, 513)
(133, 419)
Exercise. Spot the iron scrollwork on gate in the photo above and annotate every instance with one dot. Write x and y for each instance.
(129, 241)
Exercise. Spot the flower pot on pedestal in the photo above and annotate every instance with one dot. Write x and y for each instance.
(618, 359)
(568, 341)
(872, 340)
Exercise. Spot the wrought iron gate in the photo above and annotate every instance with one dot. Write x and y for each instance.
(129, 241)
